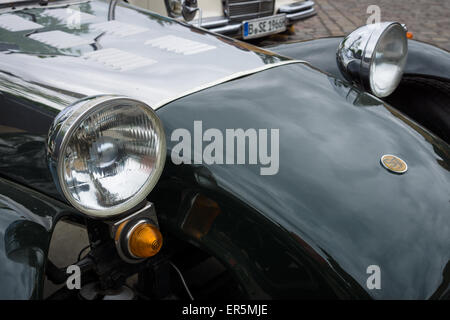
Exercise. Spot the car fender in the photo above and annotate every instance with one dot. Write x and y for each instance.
(27, 219)
(423, 59)
(331, 211)
(423, 93)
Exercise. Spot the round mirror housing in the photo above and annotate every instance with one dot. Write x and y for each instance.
(374, 56)
(189, 10)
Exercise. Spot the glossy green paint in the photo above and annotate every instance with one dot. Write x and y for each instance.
(424, 92)
(332, 210)
(309, 231)
(423, 59)
(25, 120)
(27, 219)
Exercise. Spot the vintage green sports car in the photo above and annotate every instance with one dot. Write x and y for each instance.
(205, 167)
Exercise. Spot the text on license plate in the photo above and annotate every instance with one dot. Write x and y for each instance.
(264, 26)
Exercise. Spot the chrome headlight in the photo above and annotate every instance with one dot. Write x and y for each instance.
(174, 7)
(374, 56)
(106, 154)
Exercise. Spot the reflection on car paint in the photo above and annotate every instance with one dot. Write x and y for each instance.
(331, 193)
(63, 15)
(118, 59)
(43, 66)
(117, 28)
(60, 39)
(13, 22)
(179, 45)
(26, 222)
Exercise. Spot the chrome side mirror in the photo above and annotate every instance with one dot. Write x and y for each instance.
(190, 8)
(374, 56)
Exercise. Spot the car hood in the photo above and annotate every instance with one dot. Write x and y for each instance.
(52, 56)
(330, 190)
(76, 51)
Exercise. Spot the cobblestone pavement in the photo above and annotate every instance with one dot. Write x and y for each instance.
(428, 20)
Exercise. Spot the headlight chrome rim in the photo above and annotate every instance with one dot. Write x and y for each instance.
(59, 136)
(395, 83)
(356, 58)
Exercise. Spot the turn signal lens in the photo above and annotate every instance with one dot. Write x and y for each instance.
(145, 241)
(409, 35)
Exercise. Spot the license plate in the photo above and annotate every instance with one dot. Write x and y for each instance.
(264, 26)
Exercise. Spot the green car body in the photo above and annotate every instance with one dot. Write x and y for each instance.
(311, 230)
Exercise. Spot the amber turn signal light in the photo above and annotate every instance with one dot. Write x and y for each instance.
(145, 241)
(138, 239)
(409, 35)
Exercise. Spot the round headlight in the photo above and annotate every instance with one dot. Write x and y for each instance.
(388, 61)
(106, 154)
(375, 56)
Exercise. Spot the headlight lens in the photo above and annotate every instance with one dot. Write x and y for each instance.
(375, 56)
(388, 61)
(175, 7)
(107, 153)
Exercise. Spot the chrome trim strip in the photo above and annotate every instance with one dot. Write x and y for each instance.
(130, 232)
(228, 28)
(223, 80)
(60, 133)
(244, 8)
(147, 212)
(230, 4)
(295, 7)
(254, 14)
(301, 15)
(211, 23)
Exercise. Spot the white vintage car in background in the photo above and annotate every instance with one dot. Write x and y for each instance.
(245, 19)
